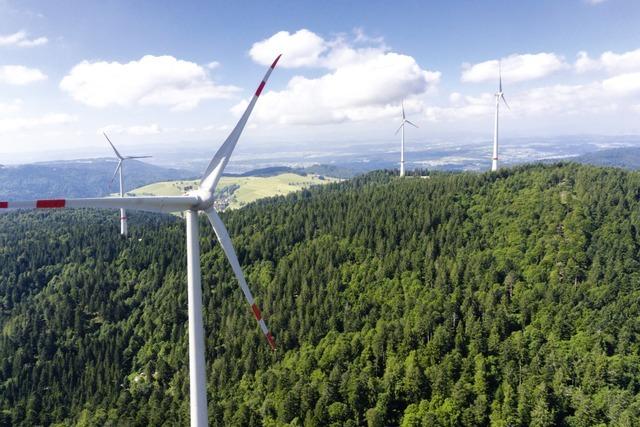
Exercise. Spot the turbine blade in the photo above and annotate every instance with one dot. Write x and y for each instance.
(150, 204)
(112, 146)
(138, 157)
(505, 101)
(500, 76)
(412, 124)
(115, 173)
(227, 247)
(221, 158)
(403, 116)
(399, 127)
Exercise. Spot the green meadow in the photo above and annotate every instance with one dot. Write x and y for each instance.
(249, 188)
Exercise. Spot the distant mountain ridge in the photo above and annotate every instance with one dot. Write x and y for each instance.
(623, 157)
(90, 177)
(78, 178)
(343, 171)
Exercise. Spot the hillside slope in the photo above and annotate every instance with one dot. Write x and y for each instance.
(506, 299)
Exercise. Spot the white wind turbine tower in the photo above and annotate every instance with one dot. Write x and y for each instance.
(121, 159)
(499, 95)
(401, 128)
(194, 202)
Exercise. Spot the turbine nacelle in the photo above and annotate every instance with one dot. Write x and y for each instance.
(500, 96)
(121, 159)
(205, 199)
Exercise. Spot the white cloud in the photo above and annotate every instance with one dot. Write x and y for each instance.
(584, 63)
(20, 39)
(362, 37)
(624, 84)
(597, 97)
(461, 107)
(300, 49)
(609, 61)
(362, 83)
(156, 129)
(151, 129)
(515, 68)
(563, 99)
(10, 107)
(152, 80)
(136, 130)
(26, 123)
(20, 75)
(221, 128)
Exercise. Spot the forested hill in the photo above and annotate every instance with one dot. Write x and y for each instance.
(509, 299)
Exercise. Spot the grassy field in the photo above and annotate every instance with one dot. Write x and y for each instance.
(250, 187)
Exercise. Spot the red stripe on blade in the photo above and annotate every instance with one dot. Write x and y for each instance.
(275, 62)
(54, 203)
(272, 342)
(259, 91)
(4, 205)
(256, 312)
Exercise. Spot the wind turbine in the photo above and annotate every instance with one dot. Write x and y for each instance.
(404, 121)
(121, 159)
(499, 95)
(194, 202)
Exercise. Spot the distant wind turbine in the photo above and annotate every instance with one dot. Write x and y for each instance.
(192, 203)
(121, 159)
(401, 128)
(499, 95)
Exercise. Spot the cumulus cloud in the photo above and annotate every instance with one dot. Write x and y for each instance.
(609, 61)
(20, 75)
(624, 84)
(515, 68)
(301, 49)
(361, 82)
(564, 99)
(461, 107)
(584, 63)
(27, 123)
(21, 39)
(152, 80)
(618, 93)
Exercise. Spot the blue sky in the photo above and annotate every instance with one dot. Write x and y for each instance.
(170, 73)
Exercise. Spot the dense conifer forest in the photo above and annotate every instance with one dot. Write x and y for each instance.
(506, 299)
